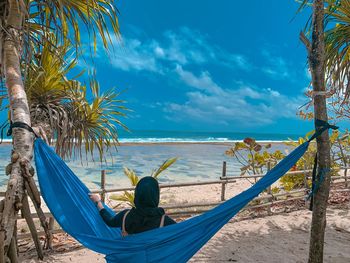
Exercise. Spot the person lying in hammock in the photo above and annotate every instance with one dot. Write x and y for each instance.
(146, 214)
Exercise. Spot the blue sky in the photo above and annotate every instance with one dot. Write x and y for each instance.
(210, 66)
(225, 65)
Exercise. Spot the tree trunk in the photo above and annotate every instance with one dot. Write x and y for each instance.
(317, 67)
(22, 139)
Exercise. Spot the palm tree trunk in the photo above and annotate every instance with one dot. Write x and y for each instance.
(317, 66)
(22, 139)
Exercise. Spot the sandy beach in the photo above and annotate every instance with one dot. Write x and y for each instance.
(282, 237)
(275, 239)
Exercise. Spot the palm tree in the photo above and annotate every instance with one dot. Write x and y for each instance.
(316, 59)
(337, 39)
(20, 35)
(62, 108)
(328, 55)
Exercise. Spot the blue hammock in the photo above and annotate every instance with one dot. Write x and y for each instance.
(68, 200)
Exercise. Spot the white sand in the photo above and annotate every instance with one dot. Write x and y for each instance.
(278, 238)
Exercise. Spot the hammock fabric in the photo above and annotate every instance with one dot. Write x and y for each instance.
(68, 200)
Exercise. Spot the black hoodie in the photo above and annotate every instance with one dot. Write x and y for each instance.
(146, 214)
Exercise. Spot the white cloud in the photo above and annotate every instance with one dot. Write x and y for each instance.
(203, 82)
(276, 67)
(183, 47)
(136, 55)
(211, 103)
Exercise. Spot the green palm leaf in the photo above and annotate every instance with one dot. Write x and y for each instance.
(164, 166)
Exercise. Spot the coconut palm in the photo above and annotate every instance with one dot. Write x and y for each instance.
(62, 107)
(338, 56)
(25, 25)
(317, 65)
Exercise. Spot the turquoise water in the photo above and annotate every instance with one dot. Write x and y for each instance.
(191, 136)
(196, 162)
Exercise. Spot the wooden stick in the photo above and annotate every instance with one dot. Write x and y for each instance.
(103, 185)
(34, 190)
(13, 251)
(25, 166)
(269, 190)
(51, 225)
(199, 211)
(168, 185)
(42, 218)
(264, 197)
(231, 179)
(2, 246)
(262, 175)
(343, 157)
(223, 185)
(30, 222)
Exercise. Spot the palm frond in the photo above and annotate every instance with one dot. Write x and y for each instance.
(337, 39)
(164, 166)
(134, 179)
(127, 197)
(65, 108)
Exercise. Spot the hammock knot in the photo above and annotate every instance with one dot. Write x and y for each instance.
(321, 126)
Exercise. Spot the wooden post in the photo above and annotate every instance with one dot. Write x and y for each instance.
(13, 250)
(103, 185)
(344, 162)
(223, 185)
(41, 215)
(306, 185)
(269, 189)
(51, 225)
(28, 217)
(346, 177)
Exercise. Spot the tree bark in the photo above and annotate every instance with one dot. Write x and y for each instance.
(22, 139)
(317, 67)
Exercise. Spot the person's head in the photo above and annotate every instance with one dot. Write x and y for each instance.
(147, 193)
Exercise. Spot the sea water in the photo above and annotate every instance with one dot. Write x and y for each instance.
(200, 157)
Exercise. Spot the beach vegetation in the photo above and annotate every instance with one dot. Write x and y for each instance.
(128, 196)
(75, 116)
(258, 160)
(254, 157)
(26, 27)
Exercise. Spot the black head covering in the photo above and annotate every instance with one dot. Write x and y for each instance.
(146, 215)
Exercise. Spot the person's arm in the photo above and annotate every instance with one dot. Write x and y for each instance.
(97, 200)
(110, 220)
(168, 221)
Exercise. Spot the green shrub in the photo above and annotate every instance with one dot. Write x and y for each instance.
(256, 159)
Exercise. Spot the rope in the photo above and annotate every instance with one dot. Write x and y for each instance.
(318, 178)
(16, 124)
(322, 126)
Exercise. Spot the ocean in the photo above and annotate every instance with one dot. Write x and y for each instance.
(200, 157)
(193, 136)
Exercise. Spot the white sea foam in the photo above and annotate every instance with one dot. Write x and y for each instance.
(178, 140)
(188, 140)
